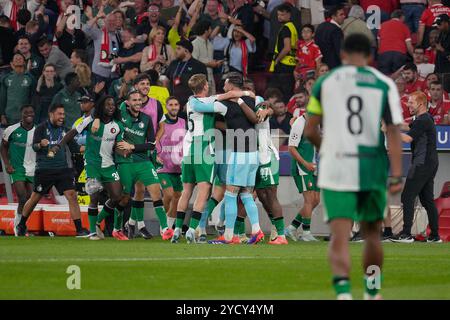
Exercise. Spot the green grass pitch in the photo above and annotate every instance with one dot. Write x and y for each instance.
(35, 268)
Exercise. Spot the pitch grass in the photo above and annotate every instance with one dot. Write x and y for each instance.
(35, 268)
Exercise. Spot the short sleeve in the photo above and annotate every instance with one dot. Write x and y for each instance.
(297, 132)
(424, 17)
(7, 133)
(220, 108)
(314, 106)
(81, 126)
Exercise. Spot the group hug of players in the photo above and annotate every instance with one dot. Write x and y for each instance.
(135, 146)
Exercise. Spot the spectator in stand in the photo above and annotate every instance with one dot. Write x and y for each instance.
(322, 69)
(12, 8)
(52, 54)
(329, 37)
(329, 5)
(129, 50)
(424, 68)
(47, 87)
(68, 97)
(168, 11)
(308, 56)
(78, 56)
(443, 50)
(243, 12)
(297, 104)
(136, 11)
(386, 7)
(34, 29)
(8, 41)
(34, 62)
(413, 81)
(203, 51)
(413, 10)
(214, 13)
(394, 43)
(16, 90)
(236, 50)
(280, 121)
(180, 71)
(430, 52)
(401, 85)
(434, 77)
(437, 106)
(106, 47)
(152, 21)
(119, 88)
(157, 55)
(428, 20)
(68, 37)
(355, 23)
(181, 28)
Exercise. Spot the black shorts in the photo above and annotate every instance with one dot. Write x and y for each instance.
(62, 179)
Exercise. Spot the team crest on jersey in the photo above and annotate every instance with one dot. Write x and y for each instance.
(25, 83)
(164, 182)
(141, 125)
(113, 130)
(34, 64)
(39, 188)
(310, 184)
(18, 135)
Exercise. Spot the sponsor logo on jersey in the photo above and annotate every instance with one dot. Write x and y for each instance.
(39, 188)
(141, 125)
(113, 130)
(18, 135)
(135, 132)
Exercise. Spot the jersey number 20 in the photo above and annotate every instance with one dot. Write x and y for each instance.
(354, 120)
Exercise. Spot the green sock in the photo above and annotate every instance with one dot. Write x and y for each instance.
(137, 210)
(92, 216)
(297, 221)
(106, 211)
(210, 205)
(239, 225)
(180, 219)
(341, 284)
(372, 285)
(195, 219)
(279, 225)
(118, 220)
(306, 224)
(160, 213)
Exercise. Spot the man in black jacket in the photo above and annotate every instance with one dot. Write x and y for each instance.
(329, 37)
(52, 169)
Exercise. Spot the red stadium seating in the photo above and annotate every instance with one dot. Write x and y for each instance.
(443, 208)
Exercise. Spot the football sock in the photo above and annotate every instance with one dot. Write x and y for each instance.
(252, 211)
(23, 221)
(239, 225)
(306, 224)
(106, 211)
(210, 205)
(279, 225)
(170, 222)
(222, 215)
(160, 213)
(231, 209)
(118, 218)
(195, 219)
(180, 219)
(92, 216)
(297, 221)
(372, 285)
(141, 224)
(341, 285)
(387, 231)
(77, 223)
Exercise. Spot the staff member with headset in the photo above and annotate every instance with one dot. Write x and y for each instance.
(420, 179)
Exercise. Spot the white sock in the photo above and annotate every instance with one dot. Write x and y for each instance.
(170, 221)
(116, 230)
(191, 230)
(221, 223)
(202, 231)
(131, 222)
(255, 228)
(141, 224)
(229, 234)
(292, 228)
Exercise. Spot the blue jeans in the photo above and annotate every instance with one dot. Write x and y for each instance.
(413, 12)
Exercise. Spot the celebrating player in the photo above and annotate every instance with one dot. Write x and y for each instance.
(19, 156)
(304, 172)
(350, 103)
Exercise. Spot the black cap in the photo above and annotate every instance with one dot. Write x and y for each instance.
(86, 98)
(186, 44)
(441, 18)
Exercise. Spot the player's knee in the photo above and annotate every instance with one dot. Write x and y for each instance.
(124, 200)
(71, 195)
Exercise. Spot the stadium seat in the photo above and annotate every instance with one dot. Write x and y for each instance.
(443, 208)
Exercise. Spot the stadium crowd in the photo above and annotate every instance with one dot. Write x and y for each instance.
(68, 67)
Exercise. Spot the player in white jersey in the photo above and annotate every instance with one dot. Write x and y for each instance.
(350, 102)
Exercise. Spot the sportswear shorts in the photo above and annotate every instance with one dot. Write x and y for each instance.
(196, 172)
(242, 167)
(103, 175)
(61, 179)
(132, 172)
(306, 183)
(171, 180)
(368, 206)
(268, 174)
(21, 176)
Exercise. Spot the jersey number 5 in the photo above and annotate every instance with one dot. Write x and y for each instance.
(354, 120)
(190, 122)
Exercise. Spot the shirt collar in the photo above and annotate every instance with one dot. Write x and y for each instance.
(334, 22)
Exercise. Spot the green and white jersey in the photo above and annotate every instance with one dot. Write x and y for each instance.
(201, 123)
(266, 147)
(100, 145)
(352, 102)
(137, 131)
(304, 147)
(21, 154)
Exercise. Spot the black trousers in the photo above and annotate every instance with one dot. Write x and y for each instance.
(420, 182)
